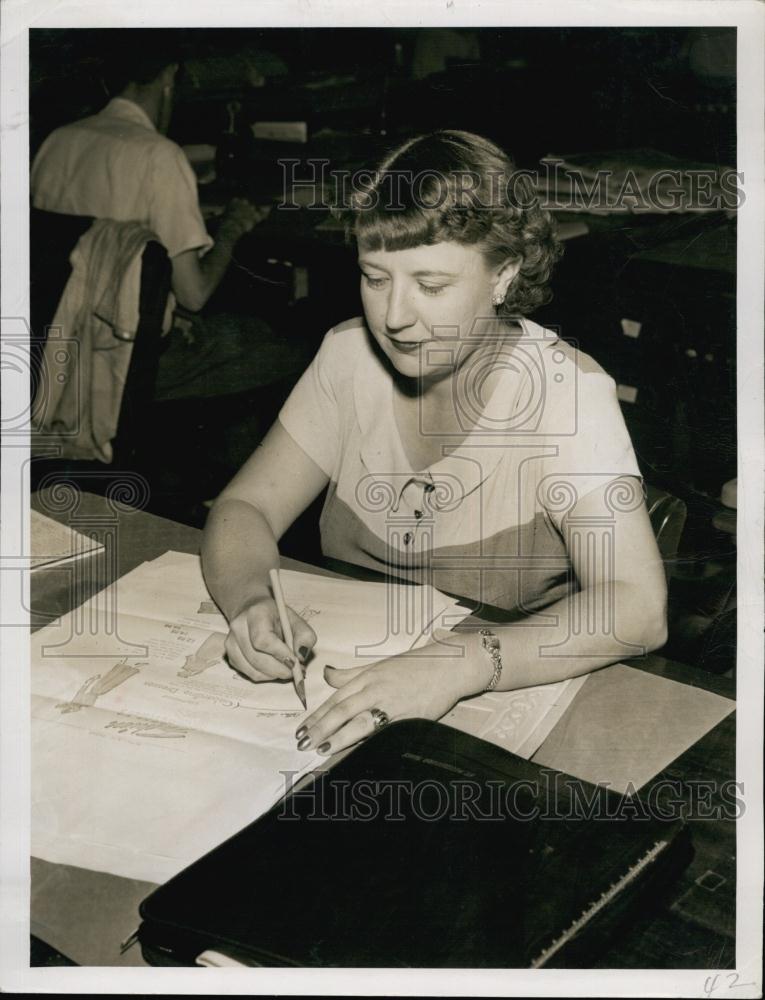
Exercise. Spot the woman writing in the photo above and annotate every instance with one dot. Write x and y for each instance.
(461, 444)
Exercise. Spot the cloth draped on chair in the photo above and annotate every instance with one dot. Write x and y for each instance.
(89, 346)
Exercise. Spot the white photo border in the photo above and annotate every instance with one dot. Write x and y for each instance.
(748, 17)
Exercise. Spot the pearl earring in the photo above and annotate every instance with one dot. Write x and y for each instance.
(497, 299)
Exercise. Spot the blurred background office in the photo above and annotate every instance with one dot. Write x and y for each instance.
(650, 294)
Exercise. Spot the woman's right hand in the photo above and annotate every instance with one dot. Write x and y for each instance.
(255, 645)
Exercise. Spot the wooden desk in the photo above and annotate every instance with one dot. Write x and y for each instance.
(86, 914)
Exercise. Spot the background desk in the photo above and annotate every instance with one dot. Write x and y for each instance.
(86, 914)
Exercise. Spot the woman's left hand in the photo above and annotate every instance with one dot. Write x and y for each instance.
(404, 687)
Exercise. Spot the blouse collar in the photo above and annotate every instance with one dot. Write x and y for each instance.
(507, 416)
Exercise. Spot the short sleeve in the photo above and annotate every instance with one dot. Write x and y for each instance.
(592, 442)
(311, 414)
(175, 216)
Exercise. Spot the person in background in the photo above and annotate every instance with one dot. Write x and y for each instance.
(119, 164)
(461, 444)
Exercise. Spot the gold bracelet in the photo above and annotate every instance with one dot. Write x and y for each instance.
(490, 643)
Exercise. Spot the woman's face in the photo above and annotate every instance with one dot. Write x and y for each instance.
(415, 298)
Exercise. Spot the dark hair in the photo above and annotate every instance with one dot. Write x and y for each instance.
(459, 187)
(138, 55)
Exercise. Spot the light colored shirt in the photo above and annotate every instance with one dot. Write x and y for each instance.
(115, 165)
(485, 521)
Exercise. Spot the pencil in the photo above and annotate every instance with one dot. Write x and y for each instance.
(298, 678)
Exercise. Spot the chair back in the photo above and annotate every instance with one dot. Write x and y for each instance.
(667, 515)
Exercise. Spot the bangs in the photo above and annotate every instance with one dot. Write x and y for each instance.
(385, 229)
(399, 212)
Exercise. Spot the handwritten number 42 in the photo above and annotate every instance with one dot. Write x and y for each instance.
(712, 983)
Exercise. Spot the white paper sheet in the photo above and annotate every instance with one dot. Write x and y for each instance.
(148, 749)
(359, 622)
(53, 543)
(119, 793)
(518, 721)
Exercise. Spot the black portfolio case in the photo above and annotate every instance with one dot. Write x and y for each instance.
(424, 847)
